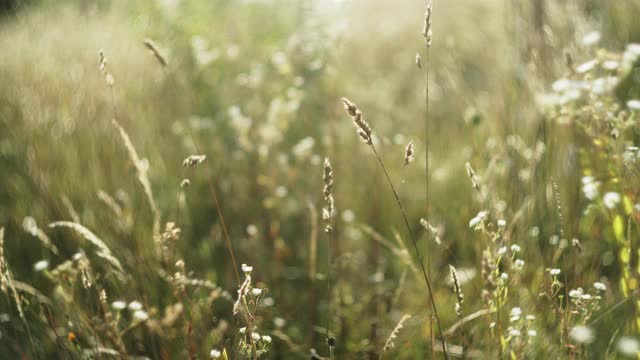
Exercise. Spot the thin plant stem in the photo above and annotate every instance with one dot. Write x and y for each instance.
(329, 339)
(415, 246)
(214, 195)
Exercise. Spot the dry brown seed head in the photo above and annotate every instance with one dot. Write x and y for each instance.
(363, 128)
(151, 45)
(426, 32)
(408, 153)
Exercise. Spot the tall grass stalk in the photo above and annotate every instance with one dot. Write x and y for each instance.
(364, 131)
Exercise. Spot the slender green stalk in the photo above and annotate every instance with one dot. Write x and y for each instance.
(415, 246)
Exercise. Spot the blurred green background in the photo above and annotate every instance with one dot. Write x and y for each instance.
(256, 86)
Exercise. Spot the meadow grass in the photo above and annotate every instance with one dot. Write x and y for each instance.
(167, 169)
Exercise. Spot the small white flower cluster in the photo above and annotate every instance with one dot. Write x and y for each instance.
(135, 306)
(611, 199)
(477, 222)
(261, 342)
(518, 264)
(590, 187)
(518, 325)
(586, 303)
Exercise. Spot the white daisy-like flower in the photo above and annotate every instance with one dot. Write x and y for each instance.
(586, 66)
(482, 215)
(516, 311)
(41, 265)
(590, 187)
(586, 297)
(255, 336)
(135, 306)
(504, 276)
(492, 325)
(215, 354)
(582, 334)
(519, 263)
(532, 333)
(502, 223)
(611, 199)
(576, 293)
(502, 251)
(633, 104)
(515, 248)
(252, 230)
(554, 272)
(247, 269)
(256, 291)
(591, 38)
(531, 317)
(242, 330)
(140, 315)
(119, 305)
(266, 338)
(514, 332)
(279, 322)
(628, 346)
(600, 286)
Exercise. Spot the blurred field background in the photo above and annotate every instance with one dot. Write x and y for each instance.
(255, 85)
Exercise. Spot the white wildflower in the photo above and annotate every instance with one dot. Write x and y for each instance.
(633, 104)
(140, 315)
(279, 322)
(600, 286)
(590, 187)
(502, 251)
(515, 248)
(482, 215)
(247, 269)
(256, 292)
(591, 38)
(611, 199)
(586, 67)
(348, 215)
(135, 306)
(41, 265)
(119, 305)
(582, 334)
(628, 346)
(576, 293)
(554, 272)
(532, 333)
(215, 354)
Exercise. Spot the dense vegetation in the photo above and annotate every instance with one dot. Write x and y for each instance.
(183, 179)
